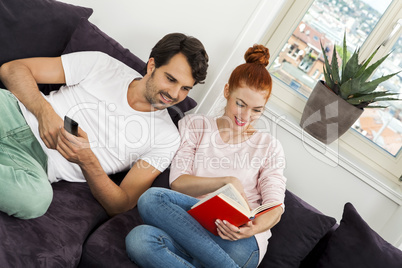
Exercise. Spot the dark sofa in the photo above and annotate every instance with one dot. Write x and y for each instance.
(77, 232)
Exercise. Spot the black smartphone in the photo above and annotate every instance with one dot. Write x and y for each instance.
(70, 125)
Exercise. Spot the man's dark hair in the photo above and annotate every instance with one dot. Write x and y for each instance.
(174, 43)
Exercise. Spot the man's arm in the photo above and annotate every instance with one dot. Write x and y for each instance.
(115, 199)
(21, 78)
(118, 199)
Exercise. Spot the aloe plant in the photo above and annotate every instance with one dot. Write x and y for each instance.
(351, 84)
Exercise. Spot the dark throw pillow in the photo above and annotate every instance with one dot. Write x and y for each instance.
(88, 37)
(354, 244)
(36, 28)
(298, 231)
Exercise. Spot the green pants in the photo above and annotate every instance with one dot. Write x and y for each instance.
(25, 191)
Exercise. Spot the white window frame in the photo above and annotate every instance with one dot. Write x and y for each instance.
(353, 144)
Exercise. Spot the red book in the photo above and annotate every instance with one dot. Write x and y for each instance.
(226, 203)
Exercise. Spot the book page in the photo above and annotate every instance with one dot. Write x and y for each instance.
(265, 207)
(230, 191)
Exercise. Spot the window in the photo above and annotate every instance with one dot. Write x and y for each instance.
(377, 136)
(384, 126)
(316, 73)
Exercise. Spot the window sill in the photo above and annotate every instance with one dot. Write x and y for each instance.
(334, 154)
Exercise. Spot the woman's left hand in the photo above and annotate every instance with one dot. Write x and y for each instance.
(229, 231)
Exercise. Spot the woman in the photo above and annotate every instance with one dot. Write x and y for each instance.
(214, 152)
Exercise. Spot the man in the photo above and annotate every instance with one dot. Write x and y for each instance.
(122, 118)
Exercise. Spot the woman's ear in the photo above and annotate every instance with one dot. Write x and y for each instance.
(226, 92)
(150, 65)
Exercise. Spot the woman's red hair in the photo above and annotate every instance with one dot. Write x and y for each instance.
(253, 73)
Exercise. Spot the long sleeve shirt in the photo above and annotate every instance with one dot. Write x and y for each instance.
(257, 162)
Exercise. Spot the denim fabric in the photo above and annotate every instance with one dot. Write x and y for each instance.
(25, 191)
(172, 238)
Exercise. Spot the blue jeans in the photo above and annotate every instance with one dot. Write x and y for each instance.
(25, 191)
(172, 238)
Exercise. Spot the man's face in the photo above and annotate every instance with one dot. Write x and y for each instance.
(169, 84)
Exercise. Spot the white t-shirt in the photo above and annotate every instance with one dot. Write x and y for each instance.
(95, 95)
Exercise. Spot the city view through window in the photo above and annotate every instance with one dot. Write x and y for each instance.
(300, 63)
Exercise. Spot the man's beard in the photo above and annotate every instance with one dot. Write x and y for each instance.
(152, 95)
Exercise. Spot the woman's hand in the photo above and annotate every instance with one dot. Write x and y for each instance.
(260, 224)
(228, 231)
(75, 149)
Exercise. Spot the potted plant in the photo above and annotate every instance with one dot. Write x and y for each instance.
(336, 103)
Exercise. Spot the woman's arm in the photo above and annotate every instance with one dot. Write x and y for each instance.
(272, 186)
(197, 186)
(192, 128)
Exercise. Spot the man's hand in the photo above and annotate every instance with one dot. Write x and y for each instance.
(49, 127)
(75, 149)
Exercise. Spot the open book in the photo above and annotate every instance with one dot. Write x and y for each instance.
(228, 204)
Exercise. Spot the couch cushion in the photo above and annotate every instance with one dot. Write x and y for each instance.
(298, 231)
(106, 246)
(355, 244)
(56, 238)
(36, 28)
(88, 37)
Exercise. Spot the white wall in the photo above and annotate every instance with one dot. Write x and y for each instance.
(227, 28)
(138, 25)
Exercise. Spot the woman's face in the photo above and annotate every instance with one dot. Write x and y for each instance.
(244, 106)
